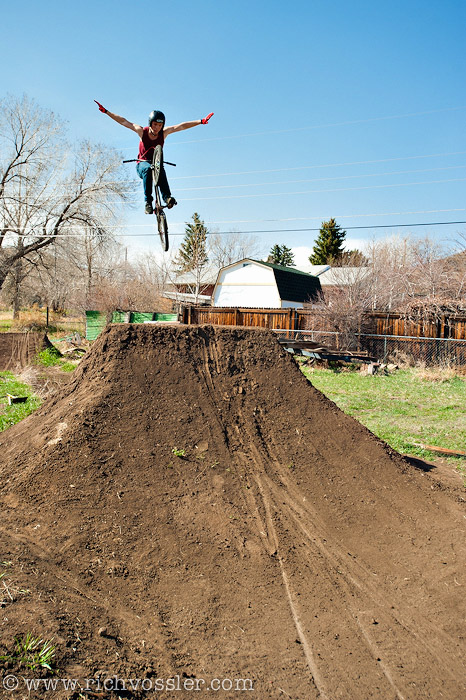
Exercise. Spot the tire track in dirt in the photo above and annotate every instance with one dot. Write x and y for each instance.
(332, 560)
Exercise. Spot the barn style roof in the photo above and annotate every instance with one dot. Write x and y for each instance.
(294, 285)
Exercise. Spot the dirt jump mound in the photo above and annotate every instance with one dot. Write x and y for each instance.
(190, 510)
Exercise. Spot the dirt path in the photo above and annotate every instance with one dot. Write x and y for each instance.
(284, 543)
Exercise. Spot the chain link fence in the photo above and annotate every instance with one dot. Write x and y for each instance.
(400, 350)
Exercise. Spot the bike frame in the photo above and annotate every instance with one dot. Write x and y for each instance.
(162, 226)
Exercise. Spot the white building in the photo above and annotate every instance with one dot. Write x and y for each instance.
(255, 284)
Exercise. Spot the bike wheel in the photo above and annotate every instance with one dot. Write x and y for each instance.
(163, 228)
(157, 161)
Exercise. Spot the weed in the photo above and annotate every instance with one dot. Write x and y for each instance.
(179, 453)
(67, 367)
(9, 592)
(32, 652)
(30, 321)
(48, 357)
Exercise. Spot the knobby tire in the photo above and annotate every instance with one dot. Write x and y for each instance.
(163, 228)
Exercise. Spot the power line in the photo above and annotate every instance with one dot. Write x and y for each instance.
(322, 179)
(324, 165)
(304, 230)
(326, 126)
(137, 181)
(321, 126)
(334, 189)
(289, 218)
(276, 230)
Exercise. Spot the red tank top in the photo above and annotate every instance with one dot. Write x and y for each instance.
(147, 145)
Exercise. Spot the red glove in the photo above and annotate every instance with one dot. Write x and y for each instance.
(101, 107)
(206, 119)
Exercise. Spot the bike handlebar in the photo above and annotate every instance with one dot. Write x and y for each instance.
(136, 160)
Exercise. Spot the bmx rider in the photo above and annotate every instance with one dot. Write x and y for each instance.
(150, 137)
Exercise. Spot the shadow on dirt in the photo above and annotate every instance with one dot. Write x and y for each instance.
(420, 464)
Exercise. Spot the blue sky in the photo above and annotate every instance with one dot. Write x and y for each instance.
(348, 109)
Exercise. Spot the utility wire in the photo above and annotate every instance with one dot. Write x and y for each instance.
(323, 165)
(336, 189)
(319, 126)
(275, 230)
(302, 167)
(281, 220)
(321, 179)
(321, 191)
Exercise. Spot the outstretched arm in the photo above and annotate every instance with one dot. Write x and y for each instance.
(121, 120)
(186, 125)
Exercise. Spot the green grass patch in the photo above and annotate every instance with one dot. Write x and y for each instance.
(48, 357)
(67, 367)
(9, 415)
(51, 357)
(403, 408)
(32, 652)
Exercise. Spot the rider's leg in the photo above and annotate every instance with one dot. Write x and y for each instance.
(165, 189)
(145, 173)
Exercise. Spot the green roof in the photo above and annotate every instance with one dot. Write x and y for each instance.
(294, 285)
(282, 267)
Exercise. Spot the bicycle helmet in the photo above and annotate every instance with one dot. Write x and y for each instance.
(156, 116)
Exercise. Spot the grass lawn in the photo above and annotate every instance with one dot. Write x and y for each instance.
(59, 325)
(9, 415)
(405, 408)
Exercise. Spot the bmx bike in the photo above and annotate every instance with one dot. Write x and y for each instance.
(156, 167)
(162, 226)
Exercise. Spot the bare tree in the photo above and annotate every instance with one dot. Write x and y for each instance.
(49, 190)
(344, 305)
(409, 276)
(229, 248)
(415, 277)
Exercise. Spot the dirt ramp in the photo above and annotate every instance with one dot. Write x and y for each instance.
(19, 349)
(191, 493)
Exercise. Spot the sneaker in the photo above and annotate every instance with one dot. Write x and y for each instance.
(170, 202)
(148, 208)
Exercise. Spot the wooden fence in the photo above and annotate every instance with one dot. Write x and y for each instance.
(395, 324)
(301, 319)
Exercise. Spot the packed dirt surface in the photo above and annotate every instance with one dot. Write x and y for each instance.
(19, 349)
(189, 507)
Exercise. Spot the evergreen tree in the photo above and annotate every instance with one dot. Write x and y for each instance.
(329, 244)
(353, 258)
(281, 255)
(192, 253)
